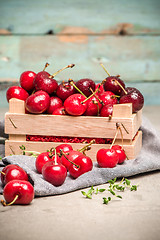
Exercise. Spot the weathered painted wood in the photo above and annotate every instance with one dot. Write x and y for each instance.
(104, 16)
(134, 58)
(12, 147)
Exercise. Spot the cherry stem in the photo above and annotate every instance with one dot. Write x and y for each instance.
(97, 96)
(69, 66)
(115, 137)
(105, 69)
(86, 147)
(121, 135)
(72, 83)
(62, 153)
(120, 86)
(2, 173)
(96, 103)
(5, 204)
(46, 65)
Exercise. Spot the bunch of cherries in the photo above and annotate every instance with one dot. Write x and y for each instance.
(17, 188)
(42, 94)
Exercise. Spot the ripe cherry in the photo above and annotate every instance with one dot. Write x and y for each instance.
(93, 107)
(74, 104)
(84, 164)
(121, 153)
(55, 102)
(68, 157)
(100, 89)
(38, 102)
(64, 90)
(85, 85)
(59, 111)
(108, 98)
(16, 92)
(134, 96)
(106, 111)
(18, 192)
(107, 158)
(13, 172)
(26, 80)
(64, 147)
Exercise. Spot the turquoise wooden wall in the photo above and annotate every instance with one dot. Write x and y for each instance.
(123, 34)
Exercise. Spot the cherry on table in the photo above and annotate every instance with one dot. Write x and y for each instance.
(107, 158)
(69, 157)
(121, 153)
(16, 92)
(38, 102)
(18, 192)
(26, 80)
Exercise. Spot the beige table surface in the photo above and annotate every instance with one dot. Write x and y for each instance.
(71, 216)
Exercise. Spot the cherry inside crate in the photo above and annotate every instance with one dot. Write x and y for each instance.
(24, 129)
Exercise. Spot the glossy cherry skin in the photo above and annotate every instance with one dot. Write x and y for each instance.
(84, 164)
(71, 156)
(133, 96)
(26, 80)
(73, 104)
(22, 188)
(93, 107)
(64, 147)
(121, 153)
(101, 89)
(13, 172)
(64, 90)
(43, 82)
(54, 173)
(38, 102)
(107, 158)
(108, 98)
(111, 85)
(59, 111)
(16, 92)
(85, 84)
(43, 158)
(55, 102)
(106, 110)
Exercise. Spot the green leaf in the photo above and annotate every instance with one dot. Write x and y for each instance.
(105, 201)
(111, 181)
(127, 182)
(96, 192)
(0, 158)
(119, 196)
(134, 188)
(109, 198)
(88, 196)
(111, 191)
(84, 193)
(114, 180)
(101, 189)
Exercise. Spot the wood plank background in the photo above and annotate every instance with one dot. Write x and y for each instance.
(124, 35)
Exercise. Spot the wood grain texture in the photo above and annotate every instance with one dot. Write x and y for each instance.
(134, 58)
(104, 16)
(12, 147)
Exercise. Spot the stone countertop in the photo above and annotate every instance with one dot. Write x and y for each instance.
(71, 216)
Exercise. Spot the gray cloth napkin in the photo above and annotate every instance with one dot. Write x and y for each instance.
(148, 160)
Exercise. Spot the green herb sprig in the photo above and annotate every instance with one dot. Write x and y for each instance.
(113, 188)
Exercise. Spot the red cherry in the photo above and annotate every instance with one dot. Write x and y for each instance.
(106, 110)
(107, 158)
(64, 147)
(64, 90)
(93, 107)
(42, 159)
(26, 80)
(38, 102)
(108, 98)
(59, 111)
(121, 153)
(55, 103)
(84, 86)
(16, 92)
(113, 84)
(43, 81)
(100, 90)
(71, 156)
(54, 173)
(74, 104)
(84, 164)
(13, 172)
(18, 191)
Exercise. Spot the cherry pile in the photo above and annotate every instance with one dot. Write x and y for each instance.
(17, 188)
(42, 94)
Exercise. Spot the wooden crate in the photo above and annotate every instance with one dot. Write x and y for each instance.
(18, 125)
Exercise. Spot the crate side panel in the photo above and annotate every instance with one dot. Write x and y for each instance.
(50, 125)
